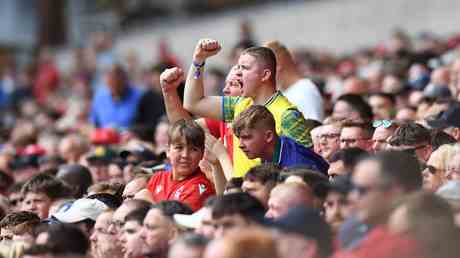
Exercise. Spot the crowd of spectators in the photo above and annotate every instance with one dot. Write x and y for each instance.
(283, 153)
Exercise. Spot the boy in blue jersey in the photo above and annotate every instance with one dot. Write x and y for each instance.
(255, 128)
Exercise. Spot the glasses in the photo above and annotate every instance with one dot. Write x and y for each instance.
(382, 123)
(329, 136)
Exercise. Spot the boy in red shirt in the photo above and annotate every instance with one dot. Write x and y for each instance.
(183, 181)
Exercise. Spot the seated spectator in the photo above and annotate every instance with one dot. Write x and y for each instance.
(134, 186)
(134, 154)
(40, 192)
(118, 218)
(453, 164)
(435, 172)
(286, 196)
(98, 163)
(159, 229)
(82, 213)
(116, 104)
(130, 237)
(255, 129)
(18, 226)
(353, 107)
(412, 137)
(188, 245)
(302, 232)
(344, 161)
(330, 137)
(15, 196)
(449, 121)
(184, 181)
(336, 208)
(72, 147)
(77, 177)
(356, 135)
(382, 132)
(383, 105)
(104, 241)
(260, 180)
(235, 211)
(450, 192)
(406, 114)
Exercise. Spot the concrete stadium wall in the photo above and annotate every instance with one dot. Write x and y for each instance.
(339, 25)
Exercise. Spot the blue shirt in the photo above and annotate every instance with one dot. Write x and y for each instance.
(121, 113)
(289, 153)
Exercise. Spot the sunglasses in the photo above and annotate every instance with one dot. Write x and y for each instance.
(382, 123)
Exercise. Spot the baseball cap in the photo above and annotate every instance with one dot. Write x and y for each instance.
(140, 151)
(448, 118)
(82, 209)
(191, 221)
(105, 136)
(306, 221)
(101, 153)
(341, 184)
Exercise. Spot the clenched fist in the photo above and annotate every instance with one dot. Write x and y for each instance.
(206, 48)
(171, 78)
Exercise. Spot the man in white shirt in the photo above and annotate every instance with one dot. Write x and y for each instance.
(299, 90)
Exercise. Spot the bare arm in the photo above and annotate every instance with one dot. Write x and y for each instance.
(194, 99)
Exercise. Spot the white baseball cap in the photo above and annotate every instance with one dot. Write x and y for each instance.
(82, 209)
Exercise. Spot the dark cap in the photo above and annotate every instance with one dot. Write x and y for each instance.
(307, 221)
(341, 184)
(101, 154)
(448, 118)
(139, 151)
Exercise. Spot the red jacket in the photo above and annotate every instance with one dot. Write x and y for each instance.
(380, 243)
(193, 190)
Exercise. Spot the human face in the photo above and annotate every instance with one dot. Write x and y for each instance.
(334, 209)
(115, 174)
(344, 111)
(254, 143)
(251, 74)
(104, 243)
(233, 85)
(379, 138)
(133, 187)
(180, 250)
(351, 137)
(329, 140)
(38, 203)
(315, 137)
(257, 190)
(432, 178)
(184, 159)
(336, 168)
(15, 201)
(157, 232)
(131, 242)
(206, 227)
(228, 223)
(381, 107)
(369, 198)
(118, 219)
(453, 168)
(277, 207)
(99, 171)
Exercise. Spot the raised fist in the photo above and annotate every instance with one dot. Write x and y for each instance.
(171, 78)
(206, 48)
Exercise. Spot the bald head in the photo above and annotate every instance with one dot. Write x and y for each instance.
(286, 196)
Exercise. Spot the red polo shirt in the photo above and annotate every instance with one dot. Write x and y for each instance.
(193, 190)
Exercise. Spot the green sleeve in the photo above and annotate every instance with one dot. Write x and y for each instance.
(295, 126)
(228, 107)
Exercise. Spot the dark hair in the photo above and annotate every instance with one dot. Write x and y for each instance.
(76, 176)
(234, 183)
(439, 138)
(138, 214)
(266, 174)
(112, 201)
(5, 181)
(410, 134)
(309, 176)
(387, 96)
(171, 207)
(399, 168)
(190, 130)
(349, 157)
(256, 116)
(265, 56)
(66, 239)
(238, 204)
(358, 104)
(16, 187)
(366, 127)
(46, 184)
(18, 218)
